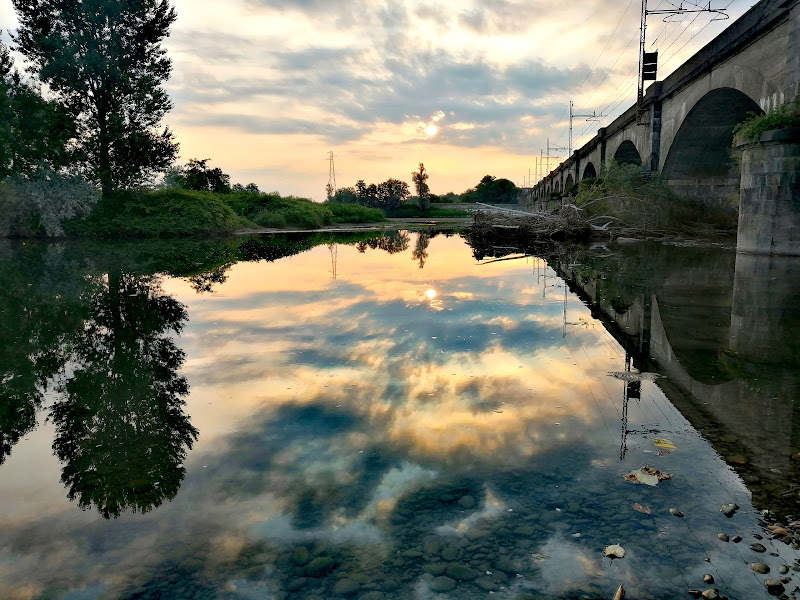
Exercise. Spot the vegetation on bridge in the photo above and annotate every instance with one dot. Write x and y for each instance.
(780, 117)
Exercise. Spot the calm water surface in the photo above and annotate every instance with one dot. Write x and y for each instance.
(401, 417)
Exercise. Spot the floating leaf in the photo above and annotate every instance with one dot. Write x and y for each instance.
(662, 453)
(641, 508)
(664, 443)
(647, 475)
(614, 551)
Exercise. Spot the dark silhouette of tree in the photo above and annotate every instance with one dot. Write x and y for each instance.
(420, 252)
(345, 195)
(491, 190)
(196, 175)
(387, 195)
(103, 60)
(420, 179)
(121, 432)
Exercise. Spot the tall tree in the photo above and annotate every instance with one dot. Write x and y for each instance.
(420, 179)
(103, 60)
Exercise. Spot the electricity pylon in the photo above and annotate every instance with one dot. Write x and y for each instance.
(330, 189)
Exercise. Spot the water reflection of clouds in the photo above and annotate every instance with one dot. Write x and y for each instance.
(345, 397)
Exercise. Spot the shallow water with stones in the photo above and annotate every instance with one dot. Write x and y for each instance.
(393, 416)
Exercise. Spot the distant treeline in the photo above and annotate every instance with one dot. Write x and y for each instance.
(391, 193)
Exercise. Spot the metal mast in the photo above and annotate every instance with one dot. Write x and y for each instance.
(592, 117)
(648, 61)
(330, 189)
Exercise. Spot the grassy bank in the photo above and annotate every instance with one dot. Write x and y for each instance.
(158, 213)
(179, 212)
(412, 210)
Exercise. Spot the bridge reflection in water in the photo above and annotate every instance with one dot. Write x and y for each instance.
(723, 328)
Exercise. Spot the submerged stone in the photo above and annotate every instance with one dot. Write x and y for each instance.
(774, 587)
(759, 567)
(461, 572)
(319, 566)
(443, 584)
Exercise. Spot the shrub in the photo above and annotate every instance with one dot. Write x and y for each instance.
(355, 213)
(270, 219)
(647, 204)
(43, 203)
(164, 213)
(781, 117)
(296, 212)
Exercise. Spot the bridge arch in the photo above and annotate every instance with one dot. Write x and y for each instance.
(701, 148)
(570, 182)
(628, 154)
(589, 172)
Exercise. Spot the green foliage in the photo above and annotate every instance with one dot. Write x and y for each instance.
(296, 212)
(158, 213)
(491, 190)
(344, 196)
(103, 61)
(387, 195)
(274, 220)
(413, 210)
(624, 194)
(354, 213)
(448, 198)
(781, 117)
(34, 133)
(41, 204)
(196, 175)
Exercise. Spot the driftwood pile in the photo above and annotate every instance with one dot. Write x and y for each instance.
(567, 222)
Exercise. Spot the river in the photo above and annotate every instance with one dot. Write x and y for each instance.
(395, 415)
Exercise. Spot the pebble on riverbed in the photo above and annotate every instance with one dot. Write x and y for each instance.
(675, 512)
(729, 509)
(759, 567)
(757, 547)
(774, 587)
(708, 578)
(723, 537)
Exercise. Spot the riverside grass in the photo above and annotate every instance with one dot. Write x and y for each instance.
(178, 212)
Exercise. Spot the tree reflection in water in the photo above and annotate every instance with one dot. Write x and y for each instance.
(121, 432)
(101, 349)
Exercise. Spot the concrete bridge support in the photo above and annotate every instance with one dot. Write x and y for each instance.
(769, 209)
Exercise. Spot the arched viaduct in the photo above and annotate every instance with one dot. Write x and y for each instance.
(686, 130)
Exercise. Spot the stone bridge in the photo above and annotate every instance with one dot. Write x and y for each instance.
(687, 129)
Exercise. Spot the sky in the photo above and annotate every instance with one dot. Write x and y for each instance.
(267, 88)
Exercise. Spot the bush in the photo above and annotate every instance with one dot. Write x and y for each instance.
(781, 117)
(159, 213)
(40, 205)
(355, 213)
(270, 219)
(625, 195)
(296, 212)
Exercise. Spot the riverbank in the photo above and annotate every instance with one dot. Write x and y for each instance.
(182, 213)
